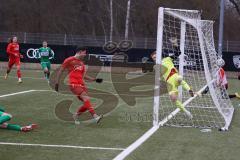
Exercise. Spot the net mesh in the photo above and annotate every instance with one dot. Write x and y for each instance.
(184, 31)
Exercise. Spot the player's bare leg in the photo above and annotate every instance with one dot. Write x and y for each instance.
(19, 75)
(10, 64)
(6, 75)
(46, 74)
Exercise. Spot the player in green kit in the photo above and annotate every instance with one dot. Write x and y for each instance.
(5, 117)
(45, 54)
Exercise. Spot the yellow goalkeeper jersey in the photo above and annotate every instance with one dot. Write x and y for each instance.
(167, 68)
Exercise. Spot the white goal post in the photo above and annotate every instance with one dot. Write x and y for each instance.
(183, 32)
(193, 38)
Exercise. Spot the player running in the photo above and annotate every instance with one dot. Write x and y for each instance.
(221, 80)
(5, 117)
(14, 57)
(45, 54)
(77, 74)
(170, 75)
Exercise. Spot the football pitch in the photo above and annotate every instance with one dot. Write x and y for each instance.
(127, 116)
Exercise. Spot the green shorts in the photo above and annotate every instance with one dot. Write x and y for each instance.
(46, 65)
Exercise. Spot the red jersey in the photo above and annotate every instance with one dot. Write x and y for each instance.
(221, 77)
(76, 70)
(13, 50)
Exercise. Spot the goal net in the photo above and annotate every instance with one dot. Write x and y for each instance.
(183, 34)
(189, 40)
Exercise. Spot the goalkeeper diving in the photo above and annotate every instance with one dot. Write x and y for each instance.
(170, 75)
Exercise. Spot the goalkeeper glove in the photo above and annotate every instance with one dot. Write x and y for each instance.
(205, 91)
(99, 80)
(191, 93)
(56, 87)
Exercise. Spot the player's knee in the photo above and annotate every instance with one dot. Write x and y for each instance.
(179, 79)
(173, 97)
(18, 67)
(85, 98)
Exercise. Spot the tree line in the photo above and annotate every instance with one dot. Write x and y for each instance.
(92, 17)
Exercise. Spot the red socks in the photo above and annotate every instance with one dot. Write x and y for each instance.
(86, 106)
(19, 73)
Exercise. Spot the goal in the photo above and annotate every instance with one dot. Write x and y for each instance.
(183, 32)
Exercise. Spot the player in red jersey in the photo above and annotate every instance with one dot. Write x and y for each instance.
(14, 57)
(77, 74)
(221, 80)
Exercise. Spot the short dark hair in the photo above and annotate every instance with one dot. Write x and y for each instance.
(153, 53)
(81, 49)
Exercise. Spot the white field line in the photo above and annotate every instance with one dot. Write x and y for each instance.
(94, 93)
(43, 90)
(22, 92)
(103, 80)
(151, 131)
(136, 144)
(60, 146)
(25, 77)
(16, 93)
(47, 145)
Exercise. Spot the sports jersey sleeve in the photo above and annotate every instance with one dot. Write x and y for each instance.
(66, 63)
(13, 49)
(52, 53)
(9, 50)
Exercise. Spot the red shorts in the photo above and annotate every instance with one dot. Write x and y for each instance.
(78, 89)
(12, 61)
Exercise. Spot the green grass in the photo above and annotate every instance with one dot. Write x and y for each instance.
(119, 128)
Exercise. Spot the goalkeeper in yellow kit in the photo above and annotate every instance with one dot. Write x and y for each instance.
(170, 75)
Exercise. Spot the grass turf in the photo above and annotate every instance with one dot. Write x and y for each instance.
(122, 126)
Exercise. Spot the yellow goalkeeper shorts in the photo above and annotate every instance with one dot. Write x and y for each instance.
(173, 83)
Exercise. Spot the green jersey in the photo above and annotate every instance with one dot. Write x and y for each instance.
(45, 54)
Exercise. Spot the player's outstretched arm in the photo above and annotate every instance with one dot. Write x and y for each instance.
(52, 53)
(91, 79)
(187, 87)
(58, 78)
